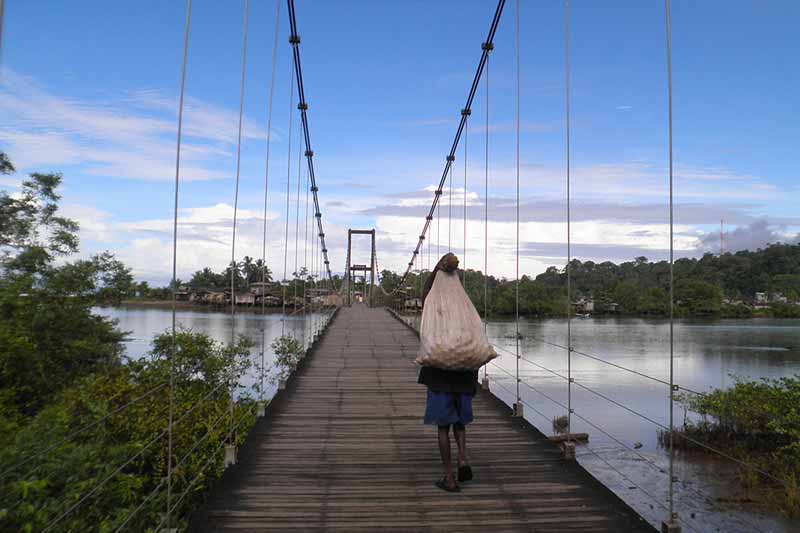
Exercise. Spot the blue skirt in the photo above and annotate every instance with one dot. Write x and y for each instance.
(445, 408)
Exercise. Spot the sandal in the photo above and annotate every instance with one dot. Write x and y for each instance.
(464, 473)
(442, 484)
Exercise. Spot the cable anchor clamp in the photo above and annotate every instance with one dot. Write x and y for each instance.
(451, 158)
(466, 112)
(294, 39)
(309, 153)
(487, 46)
(302, 106)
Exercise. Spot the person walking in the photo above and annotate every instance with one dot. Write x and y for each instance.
(449, 401)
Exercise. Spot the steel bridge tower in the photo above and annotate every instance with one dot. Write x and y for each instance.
(352, 269)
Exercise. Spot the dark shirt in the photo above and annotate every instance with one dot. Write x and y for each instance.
(438, 379)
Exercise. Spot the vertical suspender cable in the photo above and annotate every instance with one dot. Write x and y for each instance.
(450, 211)
(288, 196)
(430, 230)
(438, 229)
(297, 223)
(516, 38)
(170, 439)
(314, 282)
(672, 513)
(486, 218)
(569, 232)
(236, 205)
(2, 4)
(266, 197)
(306, 224)
(464, 251)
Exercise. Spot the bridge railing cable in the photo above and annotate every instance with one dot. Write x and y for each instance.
(635, 412)
(596, 426)
(546, 418)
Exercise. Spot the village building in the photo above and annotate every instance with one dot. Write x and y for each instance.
(583, 305)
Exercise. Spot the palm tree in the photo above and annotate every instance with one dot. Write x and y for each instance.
(248, 268)
(260, 265)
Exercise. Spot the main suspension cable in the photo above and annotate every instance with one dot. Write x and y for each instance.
(451, 156)
(294, 39)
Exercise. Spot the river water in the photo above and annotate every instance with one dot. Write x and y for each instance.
(623, 450)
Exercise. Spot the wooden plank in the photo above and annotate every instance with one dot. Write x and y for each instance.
(343, 448)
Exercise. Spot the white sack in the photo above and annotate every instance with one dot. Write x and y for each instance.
(452, 335)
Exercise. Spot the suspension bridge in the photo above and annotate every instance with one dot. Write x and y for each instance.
(342, 446)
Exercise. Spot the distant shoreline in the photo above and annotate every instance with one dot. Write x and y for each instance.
(167, 304)
(191, 306)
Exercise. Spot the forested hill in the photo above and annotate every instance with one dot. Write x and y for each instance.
(740, 275)
(712, 285)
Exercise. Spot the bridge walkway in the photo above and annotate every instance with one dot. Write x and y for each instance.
(343, 448)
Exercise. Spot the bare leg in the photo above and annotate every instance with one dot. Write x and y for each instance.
(460, 433)
(444, 451)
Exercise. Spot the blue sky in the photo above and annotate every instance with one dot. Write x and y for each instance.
(90, 90)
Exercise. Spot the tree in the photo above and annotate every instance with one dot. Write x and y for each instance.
(5, 165)
(48, 334)
(627, 295)
(29, 224)
(695, 297)
(135, 396)
(389, 280)
(248, 270)
(208, 278)
(262, 270)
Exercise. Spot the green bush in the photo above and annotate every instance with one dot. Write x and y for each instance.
(759, 422)
(53, 471)
(288, 352)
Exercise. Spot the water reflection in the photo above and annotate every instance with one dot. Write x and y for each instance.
(144, 323)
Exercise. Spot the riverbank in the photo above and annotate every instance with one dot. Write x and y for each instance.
(754, 313)
(192, 306)
(758, 423)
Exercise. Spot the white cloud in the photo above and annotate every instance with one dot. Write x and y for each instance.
(758, 234)
(133, 137)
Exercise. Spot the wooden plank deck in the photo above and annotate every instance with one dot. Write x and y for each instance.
(343, 448)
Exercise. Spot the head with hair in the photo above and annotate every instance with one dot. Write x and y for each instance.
(448, 262)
